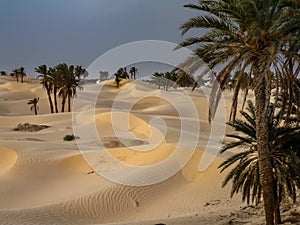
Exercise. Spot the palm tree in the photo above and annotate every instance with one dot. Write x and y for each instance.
(133, 71)
(22, 74)
(15, 73)
(80, 72)
(56, 82)
(284, 145)
(47, 83)
(117, 79)
(69, 84)
(122, 73)
(34, 103)
(62, 71)
(251, 35)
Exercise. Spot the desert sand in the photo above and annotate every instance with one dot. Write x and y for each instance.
(46, 180)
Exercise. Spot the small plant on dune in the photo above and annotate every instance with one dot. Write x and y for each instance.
(69, 137)
(33, 102)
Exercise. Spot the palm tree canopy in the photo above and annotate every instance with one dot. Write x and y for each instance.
(33, 101)
(254, 36)
(68, 82)
(44, 76)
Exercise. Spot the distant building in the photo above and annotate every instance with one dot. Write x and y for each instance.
(103, 75)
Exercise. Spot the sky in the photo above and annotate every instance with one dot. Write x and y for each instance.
(36, 32)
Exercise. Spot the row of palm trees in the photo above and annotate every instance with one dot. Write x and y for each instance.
(175, 77)
(259, 37)
(61, 81)
(123, 74)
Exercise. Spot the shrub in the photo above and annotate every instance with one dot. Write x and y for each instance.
(69, 137)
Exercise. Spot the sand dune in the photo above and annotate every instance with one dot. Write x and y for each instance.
(46, 180)
(7, 160)
(74, 163)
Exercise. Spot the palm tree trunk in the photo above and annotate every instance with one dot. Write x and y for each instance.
(55, 98)
(277, 201)
(49, 98)
(277, 212)
(195, 85)
(63, 104)
(69, 103)
(262, 99)
(35, 109)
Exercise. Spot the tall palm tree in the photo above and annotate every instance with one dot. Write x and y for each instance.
(117, 79)
(284, 142)
(15, 73)
(251, 35)
(133, 71)
(56, 82)
(47, 83)
(34, 103)
(69, 84)
(22, 74)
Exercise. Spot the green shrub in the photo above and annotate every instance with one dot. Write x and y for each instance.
(69, 137)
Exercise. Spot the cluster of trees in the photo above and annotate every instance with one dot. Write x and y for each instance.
(173, 79)
(123, 74)
(133, 72)
(19, 74)
(259, 37)
(61, 81)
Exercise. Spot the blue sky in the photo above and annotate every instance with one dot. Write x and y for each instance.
(35, 32)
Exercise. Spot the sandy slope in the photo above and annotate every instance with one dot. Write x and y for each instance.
(45, 180)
